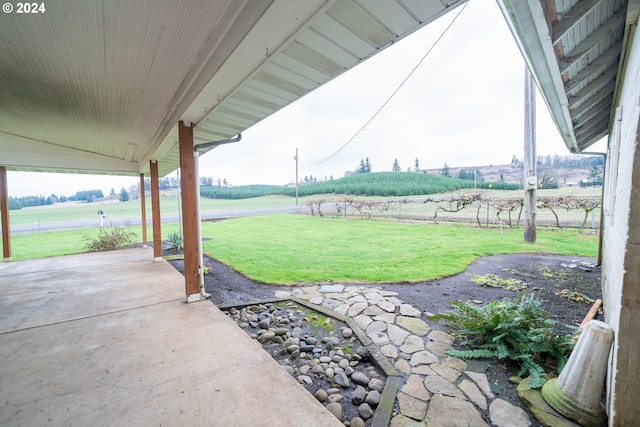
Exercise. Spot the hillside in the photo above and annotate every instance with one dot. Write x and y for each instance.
(565, 177)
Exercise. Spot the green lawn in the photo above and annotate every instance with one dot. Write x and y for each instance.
(290, 249)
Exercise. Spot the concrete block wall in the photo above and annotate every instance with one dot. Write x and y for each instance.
(621, 260)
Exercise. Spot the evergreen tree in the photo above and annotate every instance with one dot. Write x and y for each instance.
(367, 165)
(124, 195)
(416, 164)
(445, 170)
(396, 166)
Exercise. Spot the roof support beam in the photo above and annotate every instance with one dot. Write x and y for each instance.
(155, 211)
(599, 120)
(608, 75)
(594, 97)
(594, 136)
(190, 216)
(607, 29)
(593, 114)
(601, 63)
(4, 214)
(591, 109)
(143, 211)
(570, 19)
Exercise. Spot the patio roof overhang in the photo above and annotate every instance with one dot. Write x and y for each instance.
(99, 87)
(575, 50)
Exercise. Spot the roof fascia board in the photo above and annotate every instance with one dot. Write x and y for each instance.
(527, 22)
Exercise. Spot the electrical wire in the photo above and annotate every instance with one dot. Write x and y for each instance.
(363, 127)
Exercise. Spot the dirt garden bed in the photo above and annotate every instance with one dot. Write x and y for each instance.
(565, 285)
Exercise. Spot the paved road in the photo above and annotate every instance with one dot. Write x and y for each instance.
(132, 221)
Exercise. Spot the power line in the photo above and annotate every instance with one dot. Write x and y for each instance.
(393, 93)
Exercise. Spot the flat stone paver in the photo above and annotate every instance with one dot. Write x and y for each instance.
(447, 411)
(504, 414)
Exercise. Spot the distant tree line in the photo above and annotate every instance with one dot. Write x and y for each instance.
(566, 162)
(16, 203)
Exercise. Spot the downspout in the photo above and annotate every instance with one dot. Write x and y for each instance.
(601, 227)
(196, 155)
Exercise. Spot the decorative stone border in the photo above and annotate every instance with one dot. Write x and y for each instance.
(384, 409)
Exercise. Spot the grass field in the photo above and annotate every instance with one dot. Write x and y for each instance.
(292, 249)
(288, 249)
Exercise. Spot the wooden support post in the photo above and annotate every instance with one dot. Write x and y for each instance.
(155, 211)
(530, 179)
(190, 216)
(143, 211)
(4, 214)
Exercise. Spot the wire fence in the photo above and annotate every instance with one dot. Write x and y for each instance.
(567, 211)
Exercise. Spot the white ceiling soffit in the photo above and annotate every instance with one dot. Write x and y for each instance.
(573, 49)
(99, 86)
(91, 85)
(274, 66)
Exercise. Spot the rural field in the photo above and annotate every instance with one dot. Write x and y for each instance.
(288, 249)
(408, 206)
(449, 225)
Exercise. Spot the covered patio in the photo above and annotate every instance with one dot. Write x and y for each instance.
(135, 88)
(106, 339)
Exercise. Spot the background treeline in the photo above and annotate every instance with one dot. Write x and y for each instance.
(16, 203)
(568, 161)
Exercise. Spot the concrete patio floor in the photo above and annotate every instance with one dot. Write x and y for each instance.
(107, 339)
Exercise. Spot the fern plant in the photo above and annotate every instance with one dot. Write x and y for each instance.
(518, 330)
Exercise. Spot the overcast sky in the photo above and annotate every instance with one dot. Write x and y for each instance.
(463, 106)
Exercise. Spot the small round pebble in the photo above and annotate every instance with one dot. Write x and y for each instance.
(336, 409)
(320, 395)
(365, 411)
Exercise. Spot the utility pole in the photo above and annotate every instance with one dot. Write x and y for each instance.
(530, 179)
(296, 159)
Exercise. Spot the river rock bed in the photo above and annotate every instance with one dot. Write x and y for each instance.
(322, 353)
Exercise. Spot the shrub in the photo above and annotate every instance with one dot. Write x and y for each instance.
(175, 240)
(517, 330)
(108, 239)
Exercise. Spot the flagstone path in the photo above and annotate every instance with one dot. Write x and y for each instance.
(436, 389)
